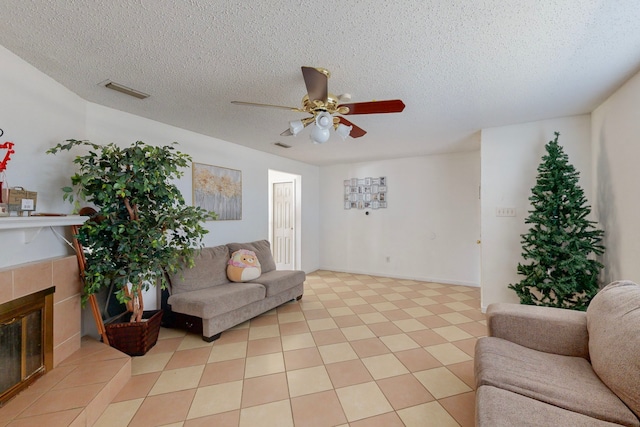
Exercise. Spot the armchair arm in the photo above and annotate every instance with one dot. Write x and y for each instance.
(548, 329)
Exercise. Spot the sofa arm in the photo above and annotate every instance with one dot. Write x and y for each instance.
(548, 329)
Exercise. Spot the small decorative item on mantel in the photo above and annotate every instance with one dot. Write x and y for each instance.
(7, 147)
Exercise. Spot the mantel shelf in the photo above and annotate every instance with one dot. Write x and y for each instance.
(18, 222)
(33, 224)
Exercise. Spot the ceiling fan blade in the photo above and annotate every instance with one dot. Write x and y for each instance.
(356, 132)
(286, 133)
(255, 104)
(374, 107)
(316, 82)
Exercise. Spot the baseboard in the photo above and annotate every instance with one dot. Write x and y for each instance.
(403, 277)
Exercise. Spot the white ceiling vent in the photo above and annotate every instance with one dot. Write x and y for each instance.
(123, 89)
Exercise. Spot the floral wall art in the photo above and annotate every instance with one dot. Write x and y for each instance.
(365, 193)
(219, 190)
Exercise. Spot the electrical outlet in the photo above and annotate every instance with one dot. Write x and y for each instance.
(502, 211)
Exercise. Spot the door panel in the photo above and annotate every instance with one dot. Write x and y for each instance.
(283, 225)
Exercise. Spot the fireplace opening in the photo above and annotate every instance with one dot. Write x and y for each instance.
(26, 341)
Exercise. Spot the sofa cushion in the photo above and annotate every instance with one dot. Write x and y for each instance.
(277, 281)
(210, 269)
(212, 301)
(262, 249)
(613, 321)
(564, 381)
(501, 408)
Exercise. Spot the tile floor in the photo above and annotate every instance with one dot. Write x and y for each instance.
(357, 350)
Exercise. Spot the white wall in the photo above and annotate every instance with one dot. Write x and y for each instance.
(616, 151)
(429, 230)
(35, 113)
(510, 158)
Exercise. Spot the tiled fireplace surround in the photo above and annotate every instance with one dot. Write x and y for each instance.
(25, 279)
(73, 355)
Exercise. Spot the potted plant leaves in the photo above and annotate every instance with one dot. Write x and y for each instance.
(142, 226)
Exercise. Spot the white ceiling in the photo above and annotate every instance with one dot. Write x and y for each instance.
(459, 66)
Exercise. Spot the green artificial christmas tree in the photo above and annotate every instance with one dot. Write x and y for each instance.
(561, 243)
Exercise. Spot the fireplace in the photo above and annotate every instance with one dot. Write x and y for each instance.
(26, 341)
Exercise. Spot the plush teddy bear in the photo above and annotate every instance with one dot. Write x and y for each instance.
(243, 266)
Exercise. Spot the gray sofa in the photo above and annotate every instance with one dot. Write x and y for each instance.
(203, 300)
(544, 366)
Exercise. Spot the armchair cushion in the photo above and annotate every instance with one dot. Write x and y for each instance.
(548, 329)
(613, 319)
(566, 382)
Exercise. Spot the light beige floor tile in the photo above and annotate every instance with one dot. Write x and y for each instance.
(322, 324)
(177, 379)
(452, 333)
(417, 312)
(231, 351)
(367, 293)
(360, 332)
(384, 366)
(415, 416)
(119, 414)
(384, 306)
(328, 297)
(298, 341)
(429, 292)
(399, 342)
(275, 414)
(308, 380)
(150, 363)
(312, 305)
(355, 301)
(409, 325)
(441, 382)
(394, 297)
(455, 318)
(448, 353)
(461, 297)
(264, 365)
(371, 318)
(259, 332)
(363, 401)
(340, 311)
(294, 316)
(215, 399)
(337, 352)
(457, 306)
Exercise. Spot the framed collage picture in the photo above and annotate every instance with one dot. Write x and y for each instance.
(365, 193)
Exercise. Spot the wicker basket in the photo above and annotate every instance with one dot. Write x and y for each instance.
(135, 338)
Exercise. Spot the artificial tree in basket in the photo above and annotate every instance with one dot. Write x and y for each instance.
(143, 226)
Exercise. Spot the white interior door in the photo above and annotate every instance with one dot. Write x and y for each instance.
(284, 225)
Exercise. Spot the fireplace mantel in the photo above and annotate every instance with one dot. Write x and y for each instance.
(33, 224)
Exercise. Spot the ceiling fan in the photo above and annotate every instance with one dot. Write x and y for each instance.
(324, 107)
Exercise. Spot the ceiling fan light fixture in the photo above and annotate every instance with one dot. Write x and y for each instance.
(343, 130)
(320, 135)
(324, 120)
(296, 126)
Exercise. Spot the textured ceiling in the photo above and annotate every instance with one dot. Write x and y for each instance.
(459, 66)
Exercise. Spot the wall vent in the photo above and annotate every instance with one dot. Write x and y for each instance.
(281, 144)
(123, 89)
